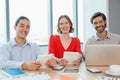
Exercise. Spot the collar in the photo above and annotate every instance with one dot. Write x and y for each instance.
(13, 42)
(107, 37)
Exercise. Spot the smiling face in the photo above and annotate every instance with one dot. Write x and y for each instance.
(99, 24)
(64, 25)
(22, 29)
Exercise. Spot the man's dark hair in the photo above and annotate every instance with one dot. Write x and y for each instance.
(97, 14)
(20, 18)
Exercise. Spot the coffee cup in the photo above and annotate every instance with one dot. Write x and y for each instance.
(115, 69)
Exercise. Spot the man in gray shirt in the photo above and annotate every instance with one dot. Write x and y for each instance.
(102, 36)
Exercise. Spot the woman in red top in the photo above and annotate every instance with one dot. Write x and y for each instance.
(64, 42)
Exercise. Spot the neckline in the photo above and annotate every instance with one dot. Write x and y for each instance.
(62, 44)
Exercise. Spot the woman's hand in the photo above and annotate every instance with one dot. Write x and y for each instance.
(77, 62)
(63, 62)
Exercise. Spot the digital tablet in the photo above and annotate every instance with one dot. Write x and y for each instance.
(71, 70)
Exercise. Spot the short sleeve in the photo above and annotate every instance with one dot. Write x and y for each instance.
(78, 46)
(51, 47)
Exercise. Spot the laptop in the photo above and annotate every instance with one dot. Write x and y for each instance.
(102, 55)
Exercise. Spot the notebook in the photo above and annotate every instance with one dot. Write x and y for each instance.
(13, 72)
(102, 55)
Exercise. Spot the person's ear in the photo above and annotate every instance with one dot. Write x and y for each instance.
(105, 22)
(15, 27)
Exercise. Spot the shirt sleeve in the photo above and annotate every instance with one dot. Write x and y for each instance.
(9, 64)
(5, 56)
(51, 47)
(2, 58)
(78, 46)
(89, 41)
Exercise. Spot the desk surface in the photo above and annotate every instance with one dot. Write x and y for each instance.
(83, 75)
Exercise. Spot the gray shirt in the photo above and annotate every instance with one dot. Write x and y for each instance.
(111, 38)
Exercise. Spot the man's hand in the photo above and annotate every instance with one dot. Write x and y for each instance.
(51, 62)
(34, 65)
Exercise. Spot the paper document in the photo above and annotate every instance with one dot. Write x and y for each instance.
(44, 58)
(71, 56)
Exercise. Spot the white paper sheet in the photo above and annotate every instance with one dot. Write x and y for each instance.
(71, 56)
(44, 58)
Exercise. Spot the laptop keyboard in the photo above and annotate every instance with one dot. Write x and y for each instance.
(106, 78)
(34, 76)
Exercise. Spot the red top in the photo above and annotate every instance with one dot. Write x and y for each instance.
(55, 46)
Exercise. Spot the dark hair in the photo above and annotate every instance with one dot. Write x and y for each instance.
(20, 18)
(97, 14)
(71, 28)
